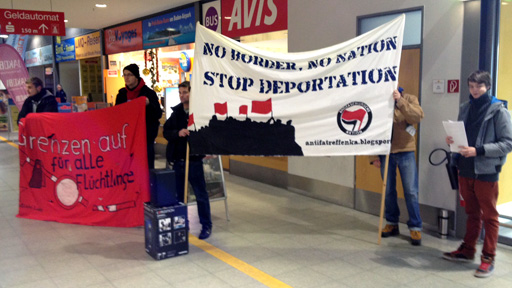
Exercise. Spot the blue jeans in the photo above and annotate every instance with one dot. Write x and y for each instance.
(196, 179)
(406, 163)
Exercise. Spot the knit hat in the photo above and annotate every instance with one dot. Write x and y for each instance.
(134, 69)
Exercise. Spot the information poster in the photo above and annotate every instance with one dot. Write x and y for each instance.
(65, 50)
(169, 29)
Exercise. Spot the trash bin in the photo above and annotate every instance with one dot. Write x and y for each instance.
(443, 218)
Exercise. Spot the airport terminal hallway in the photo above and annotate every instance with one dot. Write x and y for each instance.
(274, 238)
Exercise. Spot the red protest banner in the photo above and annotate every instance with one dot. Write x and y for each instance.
(91, 171)
(32, 22)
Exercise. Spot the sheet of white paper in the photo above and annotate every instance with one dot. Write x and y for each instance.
(458, 132)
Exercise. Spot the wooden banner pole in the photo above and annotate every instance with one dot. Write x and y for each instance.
(383, 198)
(185, 193)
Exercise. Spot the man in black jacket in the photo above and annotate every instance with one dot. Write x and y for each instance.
(176, 132)
(135, 87)
(39, 100)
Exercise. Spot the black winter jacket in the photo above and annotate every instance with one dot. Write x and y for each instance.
(153, 111)
(44, 101)
(177, 146)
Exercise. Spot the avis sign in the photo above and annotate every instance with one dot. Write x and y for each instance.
(30, 22)
(246, 17)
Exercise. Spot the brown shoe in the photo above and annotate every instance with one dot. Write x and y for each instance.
(459, 255)
(415, 237)
(390, 230)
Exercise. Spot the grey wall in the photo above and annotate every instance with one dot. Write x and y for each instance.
(75, 32)
(470, 55)
(38, 41)
(317, 24)
(36, 71)
(69, 78)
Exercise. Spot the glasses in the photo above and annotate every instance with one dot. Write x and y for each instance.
(128, 75)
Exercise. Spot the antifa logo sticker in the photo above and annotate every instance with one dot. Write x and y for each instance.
(354, 118)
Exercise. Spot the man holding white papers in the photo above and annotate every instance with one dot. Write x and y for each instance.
(489, 134)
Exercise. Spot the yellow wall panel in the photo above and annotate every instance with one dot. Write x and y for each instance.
(505, 92)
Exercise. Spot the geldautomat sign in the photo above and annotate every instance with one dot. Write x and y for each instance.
(30, 22)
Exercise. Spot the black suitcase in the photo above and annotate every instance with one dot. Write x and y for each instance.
(163, 187)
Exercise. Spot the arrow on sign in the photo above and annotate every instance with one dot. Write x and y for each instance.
(42, 27)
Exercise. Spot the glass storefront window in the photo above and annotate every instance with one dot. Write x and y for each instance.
(174, 65)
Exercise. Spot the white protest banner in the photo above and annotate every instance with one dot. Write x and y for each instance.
(332, 101)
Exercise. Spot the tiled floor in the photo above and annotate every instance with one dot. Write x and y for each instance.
(299, 241)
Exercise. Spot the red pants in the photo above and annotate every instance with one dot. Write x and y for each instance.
(481, 198)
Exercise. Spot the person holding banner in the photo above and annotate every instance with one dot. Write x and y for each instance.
(489, 134)
(136, 87)
(407, 113)
(176, 132)
(39, 100)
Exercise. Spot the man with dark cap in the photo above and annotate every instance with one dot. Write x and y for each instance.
(39, 100)
(135, 87)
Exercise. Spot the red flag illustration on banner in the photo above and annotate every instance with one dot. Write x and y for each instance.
(191, 120)
(243, 110)
(262, 107)
(221, 108)
(351, 117)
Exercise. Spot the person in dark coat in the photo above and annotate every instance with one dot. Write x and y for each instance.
(136, 87)
(61, 94)
(39, 100)
(176, 132)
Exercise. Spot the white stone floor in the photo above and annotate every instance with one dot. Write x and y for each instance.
(298, 241)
